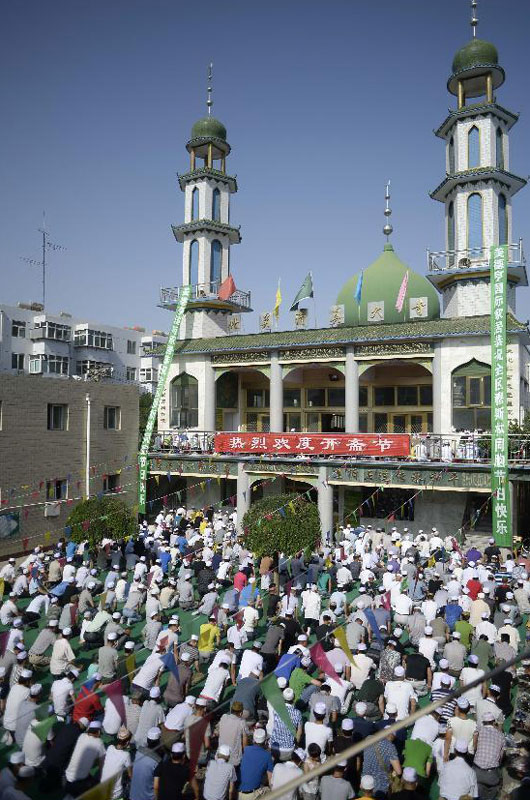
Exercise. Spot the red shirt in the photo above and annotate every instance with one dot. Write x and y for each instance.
(474, 587)
(240, 581)
(87, 704)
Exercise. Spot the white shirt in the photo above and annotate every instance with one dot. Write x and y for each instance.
(425, 729)
(437, 680)
(116, 763)
(111, 718)
(177, 717)
(428, 609)
(250, 660)
(311, 603)
(320, 734)
(360, 670)
(250, 619)
(344, 576)
(340, 688)
(428, 646)
(17, 695)
(62, 655)
(284, 773)
(39, 604)
(467, 675)
(457, 778)
(88, 749)
(400, 693)
(145, 677)
(402, 604)
(214, 683)
(8, 612)
(32, 747)
(60, 692)
(236, 636)
(488, 629)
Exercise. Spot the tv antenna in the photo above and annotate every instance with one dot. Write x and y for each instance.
(46, 245)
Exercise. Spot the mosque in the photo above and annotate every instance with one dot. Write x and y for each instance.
(404, 353)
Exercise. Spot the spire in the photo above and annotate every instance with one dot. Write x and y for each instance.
(209, 101)
(474, 18)
(387, 230)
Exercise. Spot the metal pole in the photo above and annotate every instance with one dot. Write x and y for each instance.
(43, 267)
(87, 462)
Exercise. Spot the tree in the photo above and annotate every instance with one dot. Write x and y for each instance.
(293, 528)
(98, 518)
(146, 401)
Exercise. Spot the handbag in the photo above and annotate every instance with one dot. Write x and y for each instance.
(395, 784)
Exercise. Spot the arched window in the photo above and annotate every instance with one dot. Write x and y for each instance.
(194, 262)
(474, 221)
(451, 226)
(473, 148)
(195, 204)
(451, 155)
(471, 395)
(499, 148)
(503, 220)
(216, 205)
(215, 261)
(184, 400)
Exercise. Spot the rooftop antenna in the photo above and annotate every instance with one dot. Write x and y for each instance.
(474, 18)
(209, 101)
(46, 245)
(387, 230)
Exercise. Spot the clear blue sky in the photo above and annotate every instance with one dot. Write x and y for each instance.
(323, 102)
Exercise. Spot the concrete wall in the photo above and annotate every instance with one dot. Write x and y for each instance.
(30, 454)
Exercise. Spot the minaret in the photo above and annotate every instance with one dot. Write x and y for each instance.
(478, 186)
(206, 234)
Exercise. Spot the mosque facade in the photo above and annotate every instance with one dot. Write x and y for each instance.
(420, 367)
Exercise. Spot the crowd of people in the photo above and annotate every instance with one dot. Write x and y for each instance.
(175, 664)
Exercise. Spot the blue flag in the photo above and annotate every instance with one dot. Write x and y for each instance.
(359, 289)
(169, 662)
(369, 614)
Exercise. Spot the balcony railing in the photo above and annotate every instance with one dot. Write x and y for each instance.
(474, 258)
(455, 448)
(204, 291)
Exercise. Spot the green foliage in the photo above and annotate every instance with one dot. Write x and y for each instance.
(146, 401)
(515, 427)
(108, 517)
(268, 531)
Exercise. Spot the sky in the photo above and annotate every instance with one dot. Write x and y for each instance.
(323, 100)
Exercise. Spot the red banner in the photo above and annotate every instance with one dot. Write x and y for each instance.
(315, 444)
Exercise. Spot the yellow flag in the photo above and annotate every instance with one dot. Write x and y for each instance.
(340, 635)
(130, 665)
(103, 791)
(47, 536)
(278, 301)
(431, 562)
(157, 479)
(2, 584)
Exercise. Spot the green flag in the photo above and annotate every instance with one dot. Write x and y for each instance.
(102, 791)
(273, 693)
(304, 292)
(42, 729)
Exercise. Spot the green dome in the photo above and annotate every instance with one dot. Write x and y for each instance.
(476, 53)
(208, 128)
(381, 282)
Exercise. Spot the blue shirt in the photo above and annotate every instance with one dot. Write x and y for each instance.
(453, 612)
(255, 763)
(247, 592)
(71, 549)
(165, 559)
(287, 663)
(145, 763)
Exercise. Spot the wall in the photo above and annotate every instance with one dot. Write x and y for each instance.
(30, 454)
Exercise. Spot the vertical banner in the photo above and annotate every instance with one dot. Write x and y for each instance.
(184, 297)
(500, 486)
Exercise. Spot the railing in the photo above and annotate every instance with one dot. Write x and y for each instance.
(473, 258)
(204, 291)
(455, 448)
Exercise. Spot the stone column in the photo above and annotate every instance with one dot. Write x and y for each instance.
(276, 395)
(341, 490)
(437, 390)
(325, 504)
(209, 397)
(352, 392)
(243, 495)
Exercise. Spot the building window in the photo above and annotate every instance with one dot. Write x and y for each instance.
(17, 361)
(54, 365)
(337, 397)
(451, 155)
(131, 347)
(473, 148)
(215, 261)
(407, 395)
(18, 328)
(363, 396)
(57, 489)
(54, 330)
(184, 402)
(88, 367)
(148, 375)
(194, 263)
(111, 483)
(451, 226)
(425, 395)
(131, 373)
(195, 204)
(57, 417)
(384, 396)
(474, 222)
(292, 398)
(112, 418)
(216, 205)
(258, 398)
(471, 390)
(503, 220)
(91, 338)
(499, 148)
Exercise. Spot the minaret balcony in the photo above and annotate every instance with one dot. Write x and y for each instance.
(442, 265)
(206, 296)
(198, 226)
